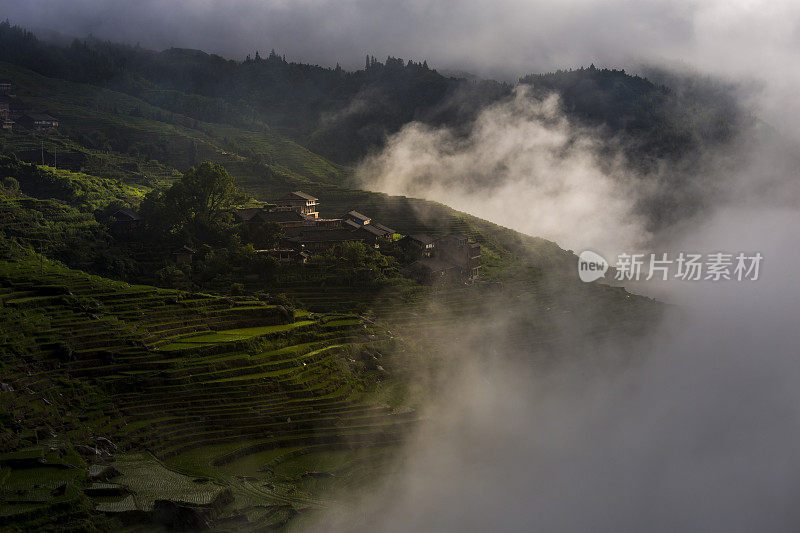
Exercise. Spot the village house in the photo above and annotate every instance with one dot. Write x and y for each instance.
(449, 258)
(360, 222)
(5, 116)
(356, 218)
(183, 255)
(446, 259)
(16, 107)
(303, 203)
(297, 215)
(456, 249)
(39, 122)
(431, 270)
(317, 240)
(5, 86)
(328, 222)
(255, 217)
(125, 221)
(287, 255)
(419, 244)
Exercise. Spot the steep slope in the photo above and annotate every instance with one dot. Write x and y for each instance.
(97, 371)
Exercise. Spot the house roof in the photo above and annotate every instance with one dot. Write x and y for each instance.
(421, 238)
(357, 215)
(41, 117)
(124, 212)
(383, 228)
(247, 212)
(183, 250)
(301, 194)
(374, 231)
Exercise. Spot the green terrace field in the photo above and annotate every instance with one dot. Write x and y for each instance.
(229, 396)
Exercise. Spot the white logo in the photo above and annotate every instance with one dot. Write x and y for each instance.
(591, 266)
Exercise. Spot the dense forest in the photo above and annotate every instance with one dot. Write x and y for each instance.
(344, 115)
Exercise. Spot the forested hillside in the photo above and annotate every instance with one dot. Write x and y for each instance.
(343, 115)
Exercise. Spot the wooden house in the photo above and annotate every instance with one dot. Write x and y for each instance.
(303, 203)
(125, 221)
(14, 106)
(458, 250)
(40, 122)
(183, 255)
(420, 244)
(356, 218)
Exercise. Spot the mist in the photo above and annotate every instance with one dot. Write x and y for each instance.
(523, 166)
(503, 39)
(693, 429)
(700, 430)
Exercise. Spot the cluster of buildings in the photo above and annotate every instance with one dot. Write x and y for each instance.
(448, 258)
(304, 232)
(14, 111)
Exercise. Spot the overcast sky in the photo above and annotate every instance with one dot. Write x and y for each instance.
(500, 37)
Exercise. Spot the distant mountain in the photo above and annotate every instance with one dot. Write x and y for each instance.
(344, 115)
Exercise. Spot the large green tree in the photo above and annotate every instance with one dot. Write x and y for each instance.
(199, 206)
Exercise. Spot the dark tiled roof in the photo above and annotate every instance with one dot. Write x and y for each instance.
(358, 216)
(126, 213)
(383, 228)
(41, 117)
(421, 237)
(369, 228)
(247, 213)
(301, 194)
(183, 250)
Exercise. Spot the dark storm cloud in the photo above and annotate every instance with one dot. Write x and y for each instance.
(504, 38)
(507, 36)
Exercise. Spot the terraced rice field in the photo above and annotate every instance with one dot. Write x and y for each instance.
(199, 381)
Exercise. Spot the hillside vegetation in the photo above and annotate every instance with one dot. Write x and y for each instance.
(96, 368)
(234, 392)
(344, 115)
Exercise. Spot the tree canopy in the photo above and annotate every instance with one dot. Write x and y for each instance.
(198, 206)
